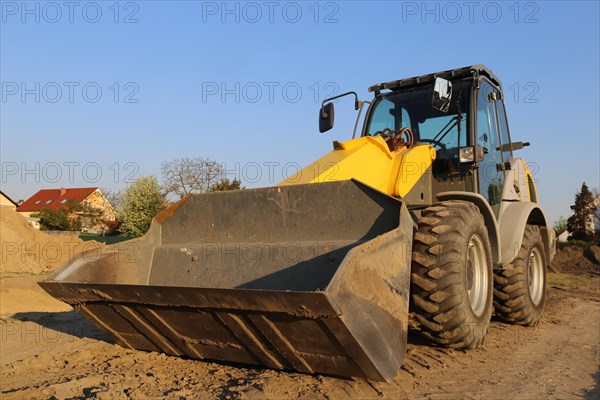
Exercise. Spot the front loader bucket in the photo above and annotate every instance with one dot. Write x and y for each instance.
(313, 278)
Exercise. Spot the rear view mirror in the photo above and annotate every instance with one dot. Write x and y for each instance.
(442, 94)
(326, 117)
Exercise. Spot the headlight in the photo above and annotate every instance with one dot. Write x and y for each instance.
(471, 154)
(466, 154)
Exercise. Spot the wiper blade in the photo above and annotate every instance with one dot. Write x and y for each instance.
(454, 121)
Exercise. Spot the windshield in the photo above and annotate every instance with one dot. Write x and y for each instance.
(412, 109)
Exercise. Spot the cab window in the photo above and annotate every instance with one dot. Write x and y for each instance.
(491, 175)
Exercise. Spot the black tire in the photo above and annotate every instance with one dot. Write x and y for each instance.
(520, 290)
(440, 269)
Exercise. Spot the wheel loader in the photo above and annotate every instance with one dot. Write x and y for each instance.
(424, 211)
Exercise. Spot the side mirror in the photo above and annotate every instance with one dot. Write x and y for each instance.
(442, 94)
(326, 117)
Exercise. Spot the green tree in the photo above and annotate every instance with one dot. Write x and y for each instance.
(60, 219)
(226, 184)
(580, 224)
(560, 225)
(52, 220)
(138, 204)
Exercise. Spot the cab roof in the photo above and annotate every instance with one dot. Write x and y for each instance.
(450, 74)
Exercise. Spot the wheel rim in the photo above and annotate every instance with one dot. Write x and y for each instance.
(535, 276)
(477, 275)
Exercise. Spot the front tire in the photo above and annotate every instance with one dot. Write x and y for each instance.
(452, 278)
(520, 290)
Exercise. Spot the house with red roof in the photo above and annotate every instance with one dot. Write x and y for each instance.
(6, 201)
(91, 199)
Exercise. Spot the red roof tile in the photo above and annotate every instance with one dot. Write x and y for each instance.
(55, 198)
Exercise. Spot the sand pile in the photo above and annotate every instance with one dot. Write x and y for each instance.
(577, 260)
(24, 249)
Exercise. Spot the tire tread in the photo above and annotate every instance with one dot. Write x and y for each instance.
(438, 298)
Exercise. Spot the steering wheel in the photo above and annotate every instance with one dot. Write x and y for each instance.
(434, 143)
(397, 135)
(385, 133)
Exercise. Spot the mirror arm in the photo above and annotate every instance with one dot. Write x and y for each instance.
(513, 146)
(356, 102)
(361, 104)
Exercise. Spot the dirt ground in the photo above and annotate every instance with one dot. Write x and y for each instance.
(48, 351)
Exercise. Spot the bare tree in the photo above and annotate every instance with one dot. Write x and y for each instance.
(183, 176)
(112, 196)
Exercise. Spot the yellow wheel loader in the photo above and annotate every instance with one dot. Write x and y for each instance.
(427, 208)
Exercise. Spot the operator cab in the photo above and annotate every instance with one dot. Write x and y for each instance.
(459, 112)
(471, 138)
(412, 108)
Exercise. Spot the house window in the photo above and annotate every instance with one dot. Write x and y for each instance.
(38, 202)
(63, 201)
(49, 201)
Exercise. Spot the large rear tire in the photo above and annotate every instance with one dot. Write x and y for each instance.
(452, 277)
(520, 290)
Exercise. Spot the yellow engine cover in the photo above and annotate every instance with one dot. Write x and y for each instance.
(369, 160)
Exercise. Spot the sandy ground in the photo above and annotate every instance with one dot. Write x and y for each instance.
(48, 351)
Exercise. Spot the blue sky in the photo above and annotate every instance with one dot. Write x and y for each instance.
(98, 93)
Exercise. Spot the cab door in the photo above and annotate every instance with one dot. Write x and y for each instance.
(491, 168)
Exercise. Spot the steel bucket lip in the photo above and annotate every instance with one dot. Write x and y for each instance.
(319, 308)
(183, 288)
(187, 297)
(176, 287)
